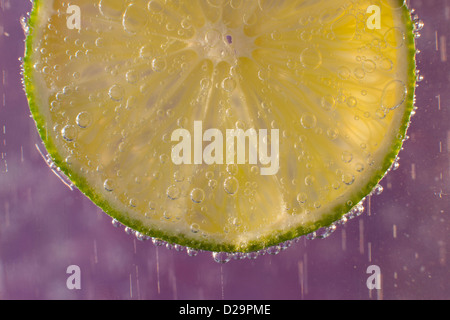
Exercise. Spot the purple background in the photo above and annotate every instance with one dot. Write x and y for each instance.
(45, 227)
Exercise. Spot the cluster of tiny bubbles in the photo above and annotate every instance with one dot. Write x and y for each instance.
(225, 257)
(417, 23)
(418, 26)
(142, 237)
(355, 211)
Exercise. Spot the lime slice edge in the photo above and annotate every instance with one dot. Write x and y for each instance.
(277, 236)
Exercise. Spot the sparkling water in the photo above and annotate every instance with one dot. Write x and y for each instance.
(47, 226)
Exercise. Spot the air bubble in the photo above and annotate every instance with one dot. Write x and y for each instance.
(344, 73)
(221, 257)
(154, 6)
(115, 223)
(306, 36)
(46, 70)
(159, 64)
(348, 178)
(67, 90)
(228, 84)
(311, 58)
(132, 76)
(369, 66)
(359, 167)
(133, 203)
(231, 185)
(419, 77)
(309, 180)
(418, 25)
(141, 237)
(167, 215)
(352, 102)
(134, 19)
(178, 176)
(116, 92)
(84, 120)
(302, 198)
(381, 114)
(347, 157)
(109, 185)
(69, 133)
(378, 190)
(152, 205)
(173, 192)
(69, 160)
(205, 83)
(54, 105)
(328, 103)
(195, 228)
(197, 195)
(395, 165)
(254, 170)
(236, 222)
(99, 42)
(308, 121)
(332, 133)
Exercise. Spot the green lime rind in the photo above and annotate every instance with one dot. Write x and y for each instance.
(281, 236)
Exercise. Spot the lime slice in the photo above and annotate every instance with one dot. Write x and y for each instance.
(228, 126)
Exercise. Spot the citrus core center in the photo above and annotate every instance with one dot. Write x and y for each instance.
(217, 42)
